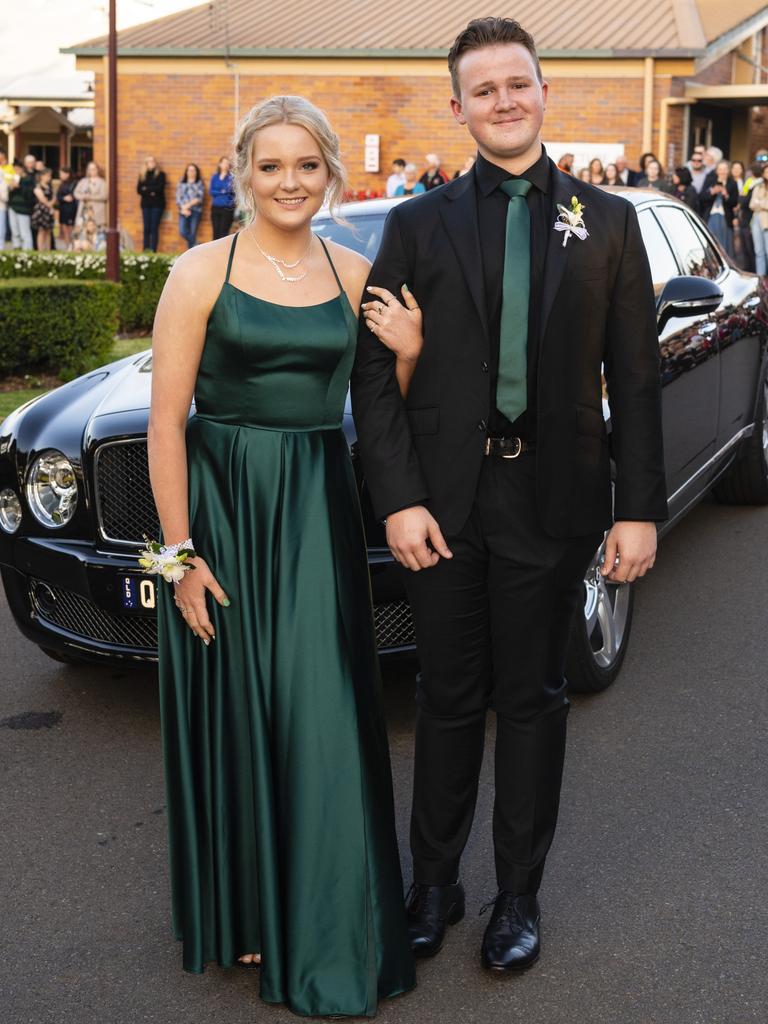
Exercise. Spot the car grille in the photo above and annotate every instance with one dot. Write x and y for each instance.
(126, 512)
(124, 503)
(394, 625)
(82, 617)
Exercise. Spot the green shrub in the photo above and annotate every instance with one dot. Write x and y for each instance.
(142, 276)
(64, 327)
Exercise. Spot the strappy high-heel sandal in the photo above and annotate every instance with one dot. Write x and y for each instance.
(249, 965)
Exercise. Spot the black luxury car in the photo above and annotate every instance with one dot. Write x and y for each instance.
(75, 499)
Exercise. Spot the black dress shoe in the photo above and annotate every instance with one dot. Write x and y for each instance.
(511, 941)
(429, 911)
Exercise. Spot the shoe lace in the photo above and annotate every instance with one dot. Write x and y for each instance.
(415, 891)
(509, 909)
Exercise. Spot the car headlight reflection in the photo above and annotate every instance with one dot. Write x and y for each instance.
(52, 489)
(10, 510)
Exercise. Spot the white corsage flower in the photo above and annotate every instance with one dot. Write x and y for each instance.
(170, 563)
(571, 221)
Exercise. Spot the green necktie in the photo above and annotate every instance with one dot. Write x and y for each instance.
(512, 384)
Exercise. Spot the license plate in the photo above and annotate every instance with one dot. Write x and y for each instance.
(138, 592)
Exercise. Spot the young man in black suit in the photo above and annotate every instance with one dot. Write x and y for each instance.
(493, 474)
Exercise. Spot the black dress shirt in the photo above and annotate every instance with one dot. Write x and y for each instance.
(492, 221)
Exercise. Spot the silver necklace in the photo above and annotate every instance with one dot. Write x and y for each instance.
(277, 263)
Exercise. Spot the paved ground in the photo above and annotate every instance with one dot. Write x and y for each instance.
(654, 903)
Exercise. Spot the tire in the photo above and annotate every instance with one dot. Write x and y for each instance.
(64, 659)
(600, 632)
(746, 482)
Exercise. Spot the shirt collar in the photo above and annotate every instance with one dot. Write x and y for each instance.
(489, 175)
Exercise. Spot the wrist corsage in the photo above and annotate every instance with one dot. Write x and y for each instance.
(170, 561)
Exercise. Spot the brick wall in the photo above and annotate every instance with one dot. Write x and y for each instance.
(718, 73)
(190, 118)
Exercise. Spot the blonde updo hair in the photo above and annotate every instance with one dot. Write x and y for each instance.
(288, 110)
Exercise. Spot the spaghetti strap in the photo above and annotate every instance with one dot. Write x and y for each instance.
(231, 256)
(335, 272)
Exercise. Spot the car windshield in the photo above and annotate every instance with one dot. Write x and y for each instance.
(362, 233)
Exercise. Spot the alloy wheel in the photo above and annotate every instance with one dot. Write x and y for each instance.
(606, 611)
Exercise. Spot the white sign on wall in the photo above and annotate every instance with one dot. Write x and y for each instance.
(372, 150)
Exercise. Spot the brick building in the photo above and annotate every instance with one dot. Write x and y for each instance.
(659, 77)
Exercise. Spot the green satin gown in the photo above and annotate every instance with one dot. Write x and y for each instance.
(280, 811)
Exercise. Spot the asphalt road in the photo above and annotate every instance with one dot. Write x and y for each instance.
(654, 902)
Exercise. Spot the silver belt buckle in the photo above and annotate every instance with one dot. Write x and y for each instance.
(518, 450)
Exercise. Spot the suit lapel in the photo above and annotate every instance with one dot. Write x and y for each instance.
(563, 188)
(459, 215)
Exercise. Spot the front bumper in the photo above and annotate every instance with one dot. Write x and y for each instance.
(70, 598)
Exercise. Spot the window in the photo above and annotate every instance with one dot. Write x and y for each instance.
(697, 256)
(364, 234)
(48, 154)
(660, 256)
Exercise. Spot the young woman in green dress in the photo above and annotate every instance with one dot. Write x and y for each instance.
(283, 851)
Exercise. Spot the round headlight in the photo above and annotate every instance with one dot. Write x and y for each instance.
(10, 510)
(52, 489)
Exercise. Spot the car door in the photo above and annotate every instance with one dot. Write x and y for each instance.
(738, 331)
(688, 348)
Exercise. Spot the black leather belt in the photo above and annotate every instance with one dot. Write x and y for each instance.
(507, 447)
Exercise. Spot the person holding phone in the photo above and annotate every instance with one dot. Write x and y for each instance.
(718, 202)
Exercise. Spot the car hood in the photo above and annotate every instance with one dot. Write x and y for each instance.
(128, 387)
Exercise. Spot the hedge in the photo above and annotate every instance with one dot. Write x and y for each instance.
(142, 276)
(63, 327)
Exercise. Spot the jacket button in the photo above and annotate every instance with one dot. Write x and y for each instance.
(484, 366)
(482, 425)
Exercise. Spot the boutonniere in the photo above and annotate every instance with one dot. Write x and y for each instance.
(571, 221)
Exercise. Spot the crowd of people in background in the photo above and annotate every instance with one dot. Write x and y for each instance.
(31, 203)
(189, 197)
(70, 213)
(405, 180)
(37, 212)
(732, 202)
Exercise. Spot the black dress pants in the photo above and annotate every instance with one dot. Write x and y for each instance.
(492, 628)
(221, 220)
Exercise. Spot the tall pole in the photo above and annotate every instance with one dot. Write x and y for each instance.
(113, 237)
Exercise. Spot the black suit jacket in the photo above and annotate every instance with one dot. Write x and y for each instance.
(597, 308)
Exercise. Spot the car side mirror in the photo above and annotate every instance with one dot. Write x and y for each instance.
(687, 296)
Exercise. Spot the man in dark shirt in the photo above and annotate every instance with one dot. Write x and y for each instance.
(494, 476)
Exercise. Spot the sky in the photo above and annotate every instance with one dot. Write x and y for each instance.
(32, 32)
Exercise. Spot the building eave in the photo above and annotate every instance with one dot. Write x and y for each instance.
(232, 52)
(727, 42)
(47, 101)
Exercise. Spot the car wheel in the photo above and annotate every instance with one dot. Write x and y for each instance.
(65, 659)
(600, 632)
(746, 482)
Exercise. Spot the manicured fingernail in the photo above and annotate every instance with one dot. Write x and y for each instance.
(406, 287)
(226, 602)
(205, 641)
